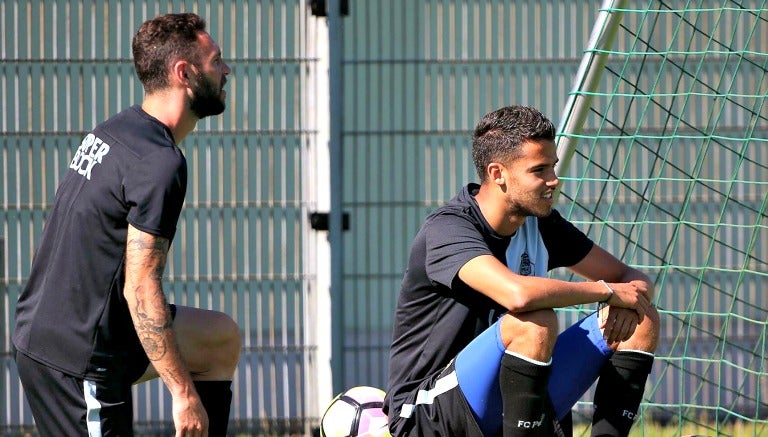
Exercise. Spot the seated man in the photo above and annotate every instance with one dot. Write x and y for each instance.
(475, 346)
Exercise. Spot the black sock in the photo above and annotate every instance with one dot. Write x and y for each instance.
(527, 408)
(619, 392)
(217, 398)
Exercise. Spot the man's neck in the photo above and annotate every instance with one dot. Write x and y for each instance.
(172, 110)
(495, 211)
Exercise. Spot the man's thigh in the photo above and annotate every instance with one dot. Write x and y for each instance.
(66, 405)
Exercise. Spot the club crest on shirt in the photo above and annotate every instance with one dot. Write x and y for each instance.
(526, 267)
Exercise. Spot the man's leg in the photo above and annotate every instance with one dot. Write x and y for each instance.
(503, 374)
(525, 371)
(579, 354)
(622, 380)
(69, 406)
(210, 343)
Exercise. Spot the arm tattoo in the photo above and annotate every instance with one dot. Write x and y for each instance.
(151, 328)
(146, 257)
(171, 377)
(151, 253)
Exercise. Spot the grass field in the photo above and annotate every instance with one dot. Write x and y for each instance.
(647, 429)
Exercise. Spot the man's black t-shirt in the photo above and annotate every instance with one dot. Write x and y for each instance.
(437, 315)
(72, 315)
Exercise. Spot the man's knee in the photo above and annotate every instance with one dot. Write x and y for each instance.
(646, 336)
(229, 342)
(531, 334)
(222, 347)
(209, 340)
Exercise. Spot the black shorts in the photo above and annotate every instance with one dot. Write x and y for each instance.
(66, 405)
(442, 410)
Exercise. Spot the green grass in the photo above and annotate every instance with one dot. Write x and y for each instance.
(652, 429)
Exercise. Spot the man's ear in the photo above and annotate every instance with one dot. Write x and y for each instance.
(495, 173)
(181, 72)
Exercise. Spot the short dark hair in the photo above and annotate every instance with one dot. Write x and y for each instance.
(162, 41)
(499, 134)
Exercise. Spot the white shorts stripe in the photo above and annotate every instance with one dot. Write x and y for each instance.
(93, 412)
(442, 385)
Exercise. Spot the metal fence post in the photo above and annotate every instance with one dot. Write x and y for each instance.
(5, 353)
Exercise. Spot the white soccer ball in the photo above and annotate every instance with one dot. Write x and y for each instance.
(356, 413)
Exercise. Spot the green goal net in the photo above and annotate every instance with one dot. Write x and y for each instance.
(664, 160)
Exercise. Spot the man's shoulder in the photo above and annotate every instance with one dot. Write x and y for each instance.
(451, 214)
(137, 131)
(462, 206)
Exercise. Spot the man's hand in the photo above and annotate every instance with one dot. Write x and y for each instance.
(618, 324)
(626, 308)
(632, 295)
(189, 417)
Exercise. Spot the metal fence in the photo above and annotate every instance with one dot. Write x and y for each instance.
(242, 240)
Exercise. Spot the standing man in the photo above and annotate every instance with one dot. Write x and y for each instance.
(93, 318)
(475, 346)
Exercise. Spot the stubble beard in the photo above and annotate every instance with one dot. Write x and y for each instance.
(531, 208)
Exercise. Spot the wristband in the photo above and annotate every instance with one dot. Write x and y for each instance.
(609, 289)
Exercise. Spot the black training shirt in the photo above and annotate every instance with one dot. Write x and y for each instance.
(72, 315)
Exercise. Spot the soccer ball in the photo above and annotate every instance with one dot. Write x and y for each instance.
(355, 412)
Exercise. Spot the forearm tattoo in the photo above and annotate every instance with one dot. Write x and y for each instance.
(170, 377)
(148, 254)
(151, 325)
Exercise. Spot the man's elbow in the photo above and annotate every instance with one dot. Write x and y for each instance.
(516, 300)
